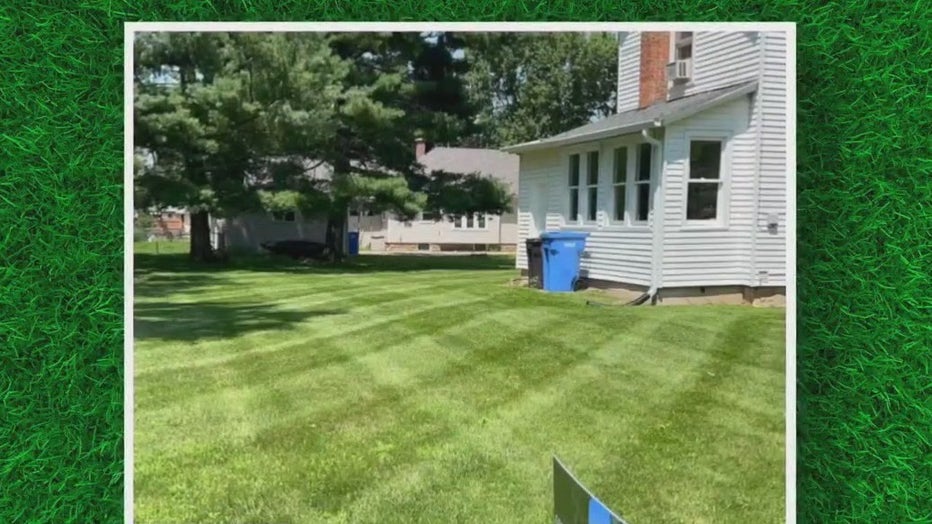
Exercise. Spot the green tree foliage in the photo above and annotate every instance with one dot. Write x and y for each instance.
(232, 123)
(531, 85)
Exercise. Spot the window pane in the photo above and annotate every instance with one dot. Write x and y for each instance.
(705, 157)
(458, 222)
(644, 152)
(620, 203)
(621, 165)
(593, 168)
(643, 201)
(289, 216)
(469, 221)
(702, 201)
(480, 221)
(574, 204)
(684, 51)
(593, 203)
(574, 170)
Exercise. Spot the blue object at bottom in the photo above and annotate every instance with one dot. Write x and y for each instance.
(562, 251)
(353, 242)
(599, 514)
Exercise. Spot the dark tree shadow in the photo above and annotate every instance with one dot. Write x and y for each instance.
(204, 320)
(149, 263)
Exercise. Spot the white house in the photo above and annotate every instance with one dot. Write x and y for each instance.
(436, 233)
(384, 232)
(683, 191)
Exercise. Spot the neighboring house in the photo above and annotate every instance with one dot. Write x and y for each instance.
(247, 231)
(433, 232)
(683, 191)
(384, 232)
(167, 223)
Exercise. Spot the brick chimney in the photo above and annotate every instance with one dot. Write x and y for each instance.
(655, 53)
(420, 147)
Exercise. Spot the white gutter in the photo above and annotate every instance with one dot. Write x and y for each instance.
(656, 226)
(759, 109)
(587, 137)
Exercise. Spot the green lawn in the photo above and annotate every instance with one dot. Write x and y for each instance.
(393, 392)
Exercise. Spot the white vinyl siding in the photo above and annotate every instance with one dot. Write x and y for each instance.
(615, 254)
(770, 255)
(717, 254)
(495, 230)
(629, 69)
(720, 252)
(722, 58)
(249, 230)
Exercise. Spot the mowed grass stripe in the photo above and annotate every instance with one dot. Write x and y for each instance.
(445, 405)
(395, 400)
(316, 331)
(275, 287)
(303, 373)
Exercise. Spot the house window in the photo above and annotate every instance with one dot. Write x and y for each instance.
(283, 216)
(574, 188)
(592, 186)
(683, 45)
(430, 216)
(705, 179)
(642, 183)
(619, 183)
(473, 221)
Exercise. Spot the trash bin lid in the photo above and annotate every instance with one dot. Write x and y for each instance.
(564, 235)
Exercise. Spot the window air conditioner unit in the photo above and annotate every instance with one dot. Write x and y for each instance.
(680, 70)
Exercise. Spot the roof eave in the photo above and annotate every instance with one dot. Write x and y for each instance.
(633, 128)
(588, 137)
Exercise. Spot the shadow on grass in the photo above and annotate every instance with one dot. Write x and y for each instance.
(177, 262)
(204, 320)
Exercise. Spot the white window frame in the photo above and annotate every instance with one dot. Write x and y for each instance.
(722, 207)
(635, 185)
(626, 184)
(460, 223)
(583, 150)
(569, 187)
(589, 186)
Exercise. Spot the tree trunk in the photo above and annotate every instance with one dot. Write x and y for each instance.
(336, 225)
(201, 250)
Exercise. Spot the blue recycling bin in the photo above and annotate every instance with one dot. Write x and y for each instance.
(353, 242)
(562, 252)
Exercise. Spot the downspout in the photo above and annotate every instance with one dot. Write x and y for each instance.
(758, 110)
(657, 222)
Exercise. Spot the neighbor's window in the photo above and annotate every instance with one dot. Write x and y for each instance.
(705, 180)
(592, 185)
(474, 221)
(619, 183)
(283, 216)
(642, 183)
(574, 188)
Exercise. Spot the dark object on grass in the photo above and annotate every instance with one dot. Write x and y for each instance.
(636, 302)
(297, 249)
